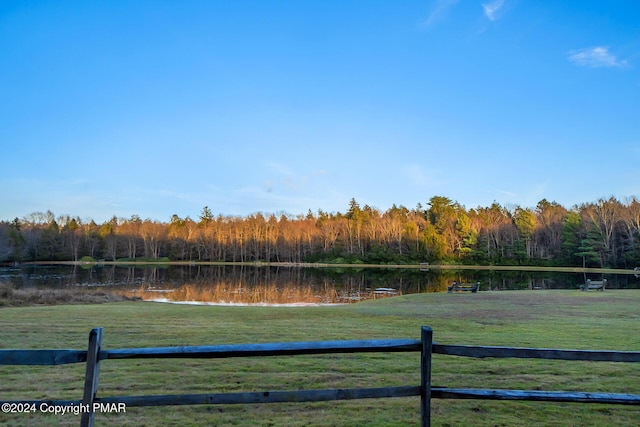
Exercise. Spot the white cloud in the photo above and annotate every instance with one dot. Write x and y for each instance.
(507, 193)
(439, 11)
(279, 168)
(282, 177)
(491, 9)
(417, 176)
(251, 199)
(530, 197)
(595, 57)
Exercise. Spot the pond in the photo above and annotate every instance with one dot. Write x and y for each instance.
(247, 284)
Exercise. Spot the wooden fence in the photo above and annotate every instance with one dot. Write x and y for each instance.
(95, 354)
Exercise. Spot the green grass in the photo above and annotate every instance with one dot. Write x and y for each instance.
(557, 319)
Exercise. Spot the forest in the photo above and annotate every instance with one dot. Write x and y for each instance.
(604, 233)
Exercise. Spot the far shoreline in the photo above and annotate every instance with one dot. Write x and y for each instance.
(421, 266)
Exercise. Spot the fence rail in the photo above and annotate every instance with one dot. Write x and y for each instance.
(258, 350)
(94, 355)
(536, 353)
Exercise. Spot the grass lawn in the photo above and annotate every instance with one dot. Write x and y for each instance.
(553, 319)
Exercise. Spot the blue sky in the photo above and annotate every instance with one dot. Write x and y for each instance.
(157, 108)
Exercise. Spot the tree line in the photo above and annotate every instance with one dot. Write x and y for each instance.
(605, 233)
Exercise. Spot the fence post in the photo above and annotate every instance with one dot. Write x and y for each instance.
(91, 377)
(425, 376)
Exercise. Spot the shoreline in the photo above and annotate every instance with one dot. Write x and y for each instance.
(240, 304)
(421, 266)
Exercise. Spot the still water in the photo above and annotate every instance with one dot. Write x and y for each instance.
(286, 285)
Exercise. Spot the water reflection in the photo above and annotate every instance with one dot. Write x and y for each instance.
(284, 285)
(272, 294)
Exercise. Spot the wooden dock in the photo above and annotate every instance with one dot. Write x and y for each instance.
(463, 287)
(594, 285)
